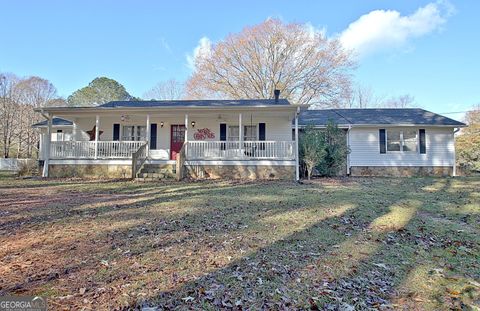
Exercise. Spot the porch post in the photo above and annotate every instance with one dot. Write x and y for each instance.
(74, 131)
(297, 168)
(97, 125)
(186, 127)
(148, 133)
(47, 145)
(240, 131)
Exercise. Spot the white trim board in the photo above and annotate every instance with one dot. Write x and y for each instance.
(92, 161)
(243, 162)
(156, 161)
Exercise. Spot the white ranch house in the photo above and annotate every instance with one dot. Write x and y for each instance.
(236, 139)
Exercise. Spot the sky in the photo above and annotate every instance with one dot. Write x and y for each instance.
(428, 49)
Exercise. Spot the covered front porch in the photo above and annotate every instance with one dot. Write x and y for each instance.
(223, 136)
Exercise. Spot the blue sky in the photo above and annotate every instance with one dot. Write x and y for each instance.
(428, 49)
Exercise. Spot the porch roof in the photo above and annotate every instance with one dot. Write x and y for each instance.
(55, 122)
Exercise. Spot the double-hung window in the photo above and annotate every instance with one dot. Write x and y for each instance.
(134, 133)
(249, 133)
(402, 140)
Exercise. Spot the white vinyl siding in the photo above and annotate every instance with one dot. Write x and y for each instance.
(365, 149)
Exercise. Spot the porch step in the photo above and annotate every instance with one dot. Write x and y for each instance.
(154, 172)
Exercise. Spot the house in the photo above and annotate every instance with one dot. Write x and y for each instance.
(196, 138)
(392, 142)
(249, 139)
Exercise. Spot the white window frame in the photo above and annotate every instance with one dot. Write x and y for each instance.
(244, 131)
(402, 141)
(136, 137)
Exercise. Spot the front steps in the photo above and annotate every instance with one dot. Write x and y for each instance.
(155, 172)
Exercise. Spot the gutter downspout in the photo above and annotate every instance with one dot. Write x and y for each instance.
(348, 146)
(297, 168)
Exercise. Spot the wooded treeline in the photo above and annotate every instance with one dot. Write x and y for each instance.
(18, 99)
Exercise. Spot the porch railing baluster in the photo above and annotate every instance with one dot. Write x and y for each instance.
(233, 150)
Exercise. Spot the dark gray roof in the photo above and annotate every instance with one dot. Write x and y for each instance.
(370, 116)
(55, 122)
(196, 103)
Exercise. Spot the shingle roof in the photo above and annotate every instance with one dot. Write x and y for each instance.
(55, 122)
(196, 103)
(369, 116)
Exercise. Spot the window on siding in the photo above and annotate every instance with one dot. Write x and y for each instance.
(410, 140)
(233, 133)
(394, 142)
(249, 133)
(402, 140)
(134, 132)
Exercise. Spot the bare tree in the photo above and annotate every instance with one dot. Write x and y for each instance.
(18, 98)
(8, 111)
(33, 92)
(306, 66)
(166, 90)
(402, 101)
(363, 97)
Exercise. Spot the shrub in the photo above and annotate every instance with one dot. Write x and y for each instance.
(27, 168)
(336, 150)
(468, 143)
(311, 149)
(324, 150)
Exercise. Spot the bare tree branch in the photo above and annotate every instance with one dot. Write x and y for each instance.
(307, 68)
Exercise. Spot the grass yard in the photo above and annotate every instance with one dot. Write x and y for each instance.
(330, 244)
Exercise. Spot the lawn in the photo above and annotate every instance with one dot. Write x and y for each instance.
(339, 244)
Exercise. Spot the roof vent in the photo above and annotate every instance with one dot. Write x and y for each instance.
(276, 93)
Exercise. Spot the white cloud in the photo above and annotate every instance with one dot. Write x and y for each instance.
(383, 30)
(203, 49)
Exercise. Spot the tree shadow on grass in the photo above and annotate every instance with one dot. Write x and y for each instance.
(352, 260)
(269, 248)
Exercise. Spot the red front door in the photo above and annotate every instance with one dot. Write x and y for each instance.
(177, 137)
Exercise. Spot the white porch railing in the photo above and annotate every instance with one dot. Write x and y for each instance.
(86, 149)
(231, 150)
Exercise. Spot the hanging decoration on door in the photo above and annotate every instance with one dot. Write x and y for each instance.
(203, 134)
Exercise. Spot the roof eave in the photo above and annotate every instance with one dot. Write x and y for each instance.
(408, 125)
(53, 110)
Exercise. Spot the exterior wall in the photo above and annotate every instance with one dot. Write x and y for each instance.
(251, 171)
(365, 150)
(90, 170)
(277, 127)
(401, 171)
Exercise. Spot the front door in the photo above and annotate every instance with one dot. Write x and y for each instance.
(177, 137)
